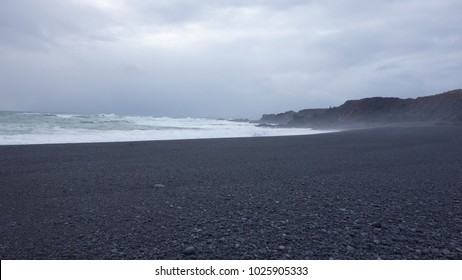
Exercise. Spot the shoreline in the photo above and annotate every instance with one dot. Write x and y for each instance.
(389, 193)
(318, 131)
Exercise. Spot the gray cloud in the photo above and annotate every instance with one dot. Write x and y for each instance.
(222, 58)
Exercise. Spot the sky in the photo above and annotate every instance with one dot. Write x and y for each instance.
(223, 58)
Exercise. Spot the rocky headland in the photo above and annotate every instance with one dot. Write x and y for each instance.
(444, 108)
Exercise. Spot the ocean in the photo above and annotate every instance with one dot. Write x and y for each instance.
(20, 128)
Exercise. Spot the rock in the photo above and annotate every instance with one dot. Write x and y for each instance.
(197, 230)
(446, 252)
(159, 186)
(189, 250)
(377, 225)
(281, 247)
(435, 251)
(349, 248)
(418, 252)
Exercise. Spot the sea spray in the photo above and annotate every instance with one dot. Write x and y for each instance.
(42, 128)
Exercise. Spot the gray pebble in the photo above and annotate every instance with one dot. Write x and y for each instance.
(349, 248)
(159, 186)
(189, 250)
(377, 225)
(446, 252)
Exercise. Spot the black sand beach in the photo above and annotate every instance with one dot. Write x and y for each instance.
(390, 193)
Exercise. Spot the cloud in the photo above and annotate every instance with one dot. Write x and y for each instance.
(222, 58)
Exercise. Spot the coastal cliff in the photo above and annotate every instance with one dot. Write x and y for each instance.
(440, 108)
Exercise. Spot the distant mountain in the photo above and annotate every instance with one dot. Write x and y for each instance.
(441, 108)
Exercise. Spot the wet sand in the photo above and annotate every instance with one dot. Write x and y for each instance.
(390, 193)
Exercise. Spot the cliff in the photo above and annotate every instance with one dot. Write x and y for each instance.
(441, 108)
(281, 118)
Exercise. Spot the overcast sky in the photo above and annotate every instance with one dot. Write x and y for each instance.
(223, 58)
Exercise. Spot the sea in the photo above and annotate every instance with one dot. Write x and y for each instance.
(23, 128)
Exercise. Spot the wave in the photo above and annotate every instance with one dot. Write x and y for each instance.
(73, 128)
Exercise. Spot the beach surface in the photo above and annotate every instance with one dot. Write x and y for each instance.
(389, 193)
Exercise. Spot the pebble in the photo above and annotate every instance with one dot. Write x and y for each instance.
(435, 251)
(196, 230)
(349, 248)
(159, 186)
(281, 247)
(418, 252)
(377, 225)
(189, 250)
(446, 252)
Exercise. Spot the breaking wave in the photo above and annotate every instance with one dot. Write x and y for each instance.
(47, 128)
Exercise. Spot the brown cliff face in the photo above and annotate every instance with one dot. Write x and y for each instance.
(445, 107)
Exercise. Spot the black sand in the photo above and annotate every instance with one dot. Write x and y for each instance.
(390, 193)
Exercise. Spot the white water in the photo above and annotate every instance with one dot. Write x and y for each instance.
(43, 128)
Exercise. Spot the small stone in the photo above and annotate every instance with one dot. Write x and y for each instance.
(196, 230)
(446, 252)
(349, 248)
(377, 225)
(418, 252)
(281, 247)
(435, 251)
(159, 186)
(189, 250)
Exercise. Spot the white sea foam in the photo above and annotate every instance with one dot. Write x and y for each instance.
(39, 128)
